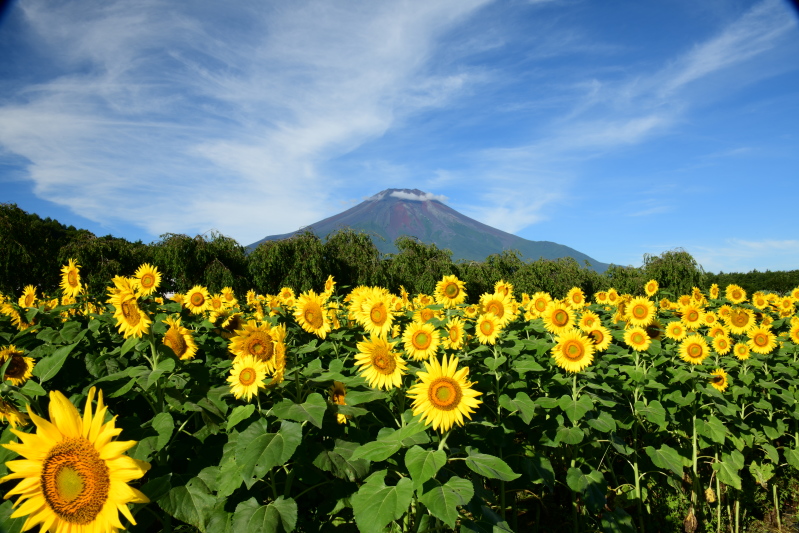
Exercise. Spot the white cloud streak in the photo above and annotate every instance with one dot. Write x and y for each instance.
(187, 117)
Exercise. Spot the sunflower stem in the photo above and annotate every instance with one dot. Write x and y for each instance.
(443, 440)
(776, 506)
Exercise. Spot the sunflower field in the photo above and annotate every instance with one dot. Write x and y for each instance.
(356, 409)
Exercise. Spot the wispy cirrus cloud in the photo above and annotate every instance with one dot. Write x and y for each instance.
(196, 117)
(737, 255)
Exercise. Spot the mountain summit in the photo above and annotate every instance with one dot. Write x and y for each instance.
(395, 212)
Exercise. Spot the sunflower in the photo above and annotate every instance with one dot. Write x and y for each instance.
(655, 330)
(722, 344)
(558, 318)
(70, 278)
(588, 321)
(740, 320)
(499, 305)
(719, 379)
(691, 316)
(503, 287)
(74, 477)
(425, 314)
(760, 300)
(179, 339)
(575, 298)
(455, 334)
(20, 369)
(330, 286)
(28, 298)
(147, 278)
(640, 311)
(612, 296)
(710, 319)
(420, 340)
(450, 292)
(762, 340)
(601, 297)
(651, 287)
(665, 304)
(247, 376)
(573, 351)
(487, 328)
(16, 318)
(637, 339)
(735, 294)
(279, 351)
(741, 351)
(286, 295)
(470, 311)
(338, 394)
(600, 336)
(12, 415)
(255, 341)
(380, 365)
(793, 333)
(694, 349)
(198, 300)
(539, 303)
(443, 396)
(131, 321)
(310, 314)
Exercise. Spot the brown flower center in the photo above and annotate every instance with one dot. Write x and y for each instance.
(444, 393)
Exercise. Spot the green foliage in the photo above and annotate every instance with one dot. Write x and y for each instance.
(417, 266)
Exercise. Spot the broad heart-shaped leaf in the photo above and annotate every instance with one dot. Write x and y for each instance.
(762, 473)
(604, 422)
(712, 428)
(242, 412)
(443, 500)
(164, 425)
(191, 503)
(666, 457)
(727, 469)
(592, 486)
(653, 411)
(521, 403)
(389, 442)
(539, 470)
(375, 504)
(424, 464)
(252, 517)
(339, 462)
(48, 367)
(258, 451)
(792, 456)
(575, 409)
(313, 410)
(569, 435)
(489, 466)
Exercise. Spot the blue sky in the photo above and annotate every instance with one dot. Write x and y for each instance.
(616, 128)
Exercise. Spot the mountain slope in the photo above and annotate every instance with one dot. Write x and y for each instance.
(395, 212)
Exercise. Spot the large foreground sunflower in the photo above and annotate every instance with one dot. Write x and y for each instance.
(74, 478)
(254, 340)
(380, 365)
(444, 397)
(247, 376)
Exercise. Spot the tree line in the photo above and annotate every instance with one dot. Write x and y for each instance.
(32, 251)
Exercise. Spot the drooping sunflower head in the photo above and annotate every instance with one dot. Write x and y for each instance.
(179, 339)
(197, 300)
(70, 278)
(379, 364)
(651, 287)
(719, 379)
(573, 351)
(420, 340)
(450, 292)
(148, 279)
(131, 321)
(311, 315)
(694, 349)
(9, 413)
(247, 376)
(637, 339)
(735, 294)
(330, 285)
(443, 396)
(20, 369)
(28, 298)
(655, 330)
(74, 477)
